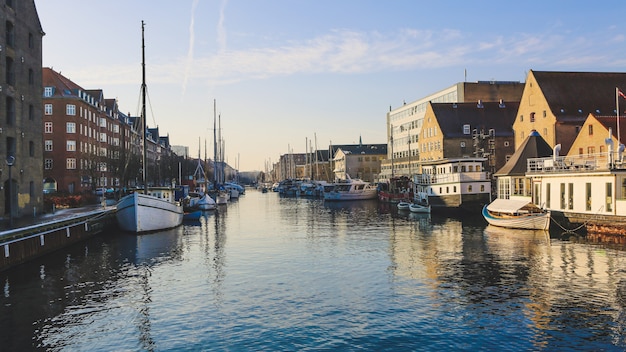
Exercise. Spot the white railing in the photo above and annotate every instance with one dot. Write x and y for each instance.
(426, 179)
(582, 162)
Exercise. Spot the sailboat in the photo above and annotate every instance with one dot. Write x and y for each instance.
(155, 209)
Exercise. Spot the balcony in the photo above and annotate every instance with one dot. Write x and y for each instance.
(576, 163)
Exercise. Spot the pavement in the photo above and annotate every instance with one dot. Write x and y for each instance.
(57, 214)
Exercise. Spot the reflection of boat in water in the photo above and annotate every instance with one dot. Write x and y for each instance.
(516, 214)
(192, 216)
(369, 205)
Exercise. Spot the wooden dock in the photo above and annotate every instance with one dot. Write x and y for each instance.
(39, 236)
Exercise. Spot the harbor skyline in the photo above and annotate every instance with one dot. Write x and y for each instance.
(285, 72)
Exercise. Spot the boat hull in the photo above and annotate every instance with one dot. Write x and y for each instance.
(340, 196)
(416, 208)
(539, 221)
(138, 212)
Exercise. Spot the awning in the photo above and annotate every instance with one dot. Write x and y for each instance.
(507, 205)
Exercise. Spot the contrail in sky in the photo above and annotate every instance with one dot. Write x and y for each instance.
(221, 30)
(191, 45)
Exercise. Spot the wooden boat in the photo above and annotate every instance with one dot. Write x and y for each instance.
(155, 209)
(396, 189)
(516, 214)
(419, 208)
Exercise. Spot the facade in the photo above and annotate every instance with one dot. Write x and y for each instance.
(404, 124)
(360, 161)
(82, 137)
(556, 104)
(462, 130)
(21, 110)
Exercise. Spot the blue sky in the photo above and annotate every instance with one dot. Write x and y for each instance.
(284, 71)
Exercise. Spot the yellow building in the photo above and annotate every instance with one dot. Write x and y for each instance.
(556, 104)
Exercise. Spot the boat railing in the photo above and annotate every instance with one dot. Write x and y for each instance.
(426, 179)
(576, 163)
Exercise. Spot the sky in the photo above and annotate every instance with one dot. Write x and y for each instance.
(288, 75)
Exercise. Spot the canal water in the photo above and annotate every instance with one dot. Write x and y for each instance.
(267, 273)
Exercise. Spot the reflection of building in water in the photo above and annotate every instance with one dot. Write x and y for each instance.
(561, 275)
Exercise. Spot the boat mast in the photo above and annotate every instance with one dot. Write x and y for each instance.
(214, 148)
(143, 108)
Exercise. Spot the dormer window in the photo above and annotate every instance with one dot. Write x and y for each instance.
(48, 91)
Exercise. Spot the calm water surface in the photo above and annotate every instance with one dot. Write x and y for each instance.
(267, 273)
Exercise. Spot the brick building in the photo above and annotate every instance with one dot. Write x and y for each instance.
(20, 109)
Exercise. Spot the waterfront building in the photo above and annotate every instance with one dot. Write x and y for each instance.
(404, 124)
(81, 136)
(360, 161)
(556, 104)
(21, 112)
(462, 130)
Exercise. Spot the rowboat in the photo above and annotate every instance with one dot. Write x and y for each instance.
(516, 214)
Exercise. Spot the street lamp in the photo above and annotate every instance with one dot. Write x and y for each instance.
(10, 161)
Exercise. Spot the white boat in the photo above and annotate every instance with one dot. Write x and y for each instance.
(516, 214)
(156, 209)
(351, 189)
(403, 205)
(419, 208)
(205, 203)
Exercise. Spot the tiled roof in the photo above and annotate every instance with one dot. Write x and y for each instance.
(365, 149)
(452, 117)
(64, 86)
(577, 94)
(534, 146)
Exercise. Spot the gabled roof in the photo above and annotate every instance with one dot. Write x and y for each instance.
(576, 94)
(63, 86)
(492, 115)
(361, 149)
(534, 146)
(611, 122)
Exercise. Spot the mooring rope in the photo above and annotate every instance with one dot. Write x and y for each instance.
(570, 231)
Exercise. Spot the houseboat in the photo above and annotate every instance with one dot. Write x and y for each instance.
(455, 183)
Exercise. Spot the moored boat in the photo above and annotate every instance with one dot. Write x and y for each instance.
(155, 209)
(351, 189)
(419, 208)
(516, 214)
(403, 205)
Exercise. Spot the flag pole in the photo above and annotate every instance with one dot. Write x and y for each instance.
(617, 93)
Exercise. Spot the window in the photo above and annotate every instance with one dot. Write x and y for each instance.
(591, 150)
(103, 138)
(31, 76)
(10, 111)
(48, 91)
(521, 118)
(532, 117)
(570, 196)
(47, 164)
(545, 114)
(70, 127)
(466, 129)
(70, 146)
(562, 195)
(506, 143)
(548, 196)
(588, 195)
(31, 148)
(70, 163)
(10, 71)
(47, 109)
(70, 109)
(31, 41)
(31, 112)
(591, 130)
(48, 145)
(47, 127)
(580, 151)
(103, 122)
(10, 33)
(609, 196)
(31, 188)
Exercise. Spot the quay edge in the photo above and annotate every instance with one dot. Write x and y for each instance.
(20, 245)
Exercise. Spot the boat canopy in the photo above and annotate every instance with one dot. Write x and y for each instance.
(510, 205)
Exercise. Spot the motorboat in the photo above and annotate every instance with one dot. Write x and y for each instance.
(403, 205)
(419, 208)
(351, 189)
(516, 214)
